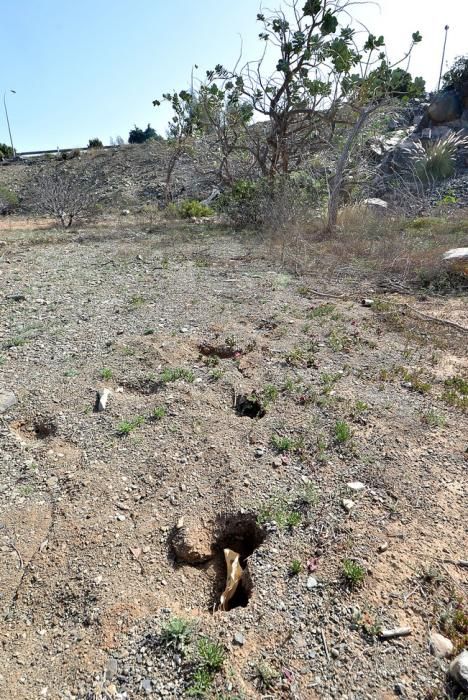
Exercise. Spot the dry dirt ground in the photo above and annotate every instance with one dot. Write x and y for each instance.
(249, 402)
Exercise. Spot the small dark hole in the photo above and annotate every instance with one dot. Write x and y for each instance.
(44, 428)
(249, 406)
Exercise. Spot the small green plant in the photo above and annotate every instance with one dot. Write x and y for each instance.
(283, 443)
(322, 447)
(126, 426)
(201, 683)
(137, 301)
(211, 360)
(16, 342)
(281, 511)
(26, 490)
(454, 623)
(360, 407)
(342, 432)
(449, 198)
(9, 201)
(353, 573)
(173, 374)
(436, 161)
(106, 373)
(270, 393)
(329, 380)
(176, 634)
(456, 392)
(302, 356)
(216, 374)
(338, 341)
(266, 675)
(159, 412)
(148, 331)
(417, 384)
(190, 209)
(431, 577)
(433, 419)
(211, 653)
(295, 568)
(322, 310)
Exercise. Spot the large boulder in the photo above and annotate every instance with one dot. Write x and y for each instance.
(445, 106)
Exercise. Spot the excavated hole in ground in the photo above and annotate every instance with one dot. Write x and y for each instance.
(241, 533)
(249, 406)
(44, 427)
(203, 549)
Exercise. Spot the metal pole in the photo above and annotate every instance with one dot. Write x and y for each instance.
(443, 56)
(8, 121)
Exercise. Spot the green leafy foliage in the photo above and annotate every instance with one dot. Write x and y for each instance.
(138, 135)
(190, 209)
(456, 75)
(127, 426)
(9, 200)
(353, 573)
(173, 374)
(177, 633)
(95, 143)
(5, 151)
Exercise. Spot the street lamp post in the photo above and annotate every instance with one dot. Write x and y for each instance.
(8, 121)
(446, 28)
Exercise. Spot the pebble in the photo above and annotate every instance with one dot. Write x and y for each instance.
(277, 462)
(7, 400)
(440, 645)
(312, 582)
(239, 639)
(111, 668)
(356, 485)
(146, 685)
(259, 452)
(347, 504)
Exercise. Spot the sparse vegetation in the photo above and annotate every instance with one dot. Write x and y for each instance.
(191, 209)
(127, 426)
(177, 634)
(295, 568)
(106, 373)
(65, 195)
(281, 511)
(433, 419)
(456, 392)
(173, 374)
(353, 573)
(159, 412)
(342, 432)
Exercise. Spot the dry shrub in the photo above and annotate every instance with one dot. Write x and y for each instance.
(375, 245)
(64, 195)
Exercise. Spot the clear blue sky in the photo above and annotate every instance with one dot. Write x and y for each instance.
(91, 68)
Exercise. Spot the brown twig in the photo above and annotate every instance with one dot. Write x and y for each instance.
(434, 319)
(325, 645)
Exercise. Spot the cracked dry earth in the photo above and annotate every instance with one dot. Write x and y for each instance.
(271, 400)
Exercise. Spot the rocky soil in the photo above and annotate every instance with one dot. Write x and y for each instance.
(323, 440)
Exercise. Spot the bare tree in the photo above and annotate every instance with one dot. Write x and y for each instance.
(65, 195)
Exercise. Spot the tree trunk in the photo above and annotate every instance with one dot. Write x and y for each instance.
(334, 197)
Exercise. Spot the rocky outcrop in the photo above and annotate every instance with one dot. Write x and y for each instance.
(447, 108)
